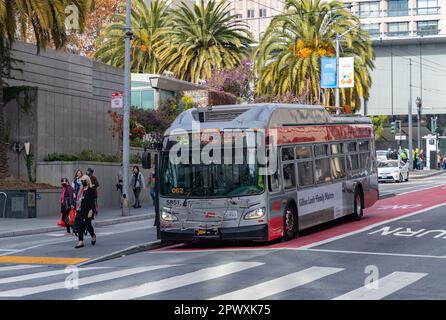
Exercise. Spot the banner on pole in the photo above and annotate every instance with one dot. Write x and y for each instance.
(328, 72)
(346, 72)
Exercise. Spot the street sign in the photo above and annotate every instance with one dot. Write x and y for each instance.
(346, 72)
(400, 137)
(117, 100)
(328, 72)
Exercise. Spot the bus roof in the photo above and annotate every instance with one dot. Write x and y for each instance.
(262, 115)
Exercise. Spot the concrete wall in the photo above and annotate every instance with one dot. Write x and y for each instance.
(109, 197)
(48, 202)
(74, 95)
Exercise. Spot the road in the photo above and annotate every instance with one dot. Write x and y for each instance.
(397, 251)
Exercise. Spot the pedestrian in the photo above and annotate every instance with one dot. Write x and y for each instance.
(394, 154)
(66, 202)
(119, 180)
(422, 159)
(137, 184)
(76, 183)
(404, 156)
(85, 211)
(152, 186)
(415, 159)
(439, 161)
(94, 186)
(389, 154)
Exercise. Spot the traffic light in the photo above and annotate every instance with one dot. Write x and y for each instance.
(393, 127)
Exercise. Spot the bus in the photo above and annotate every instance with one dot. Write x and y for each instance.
(316, 168)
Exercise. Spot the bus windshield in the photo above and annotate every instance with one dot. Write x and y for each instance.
(209, 180)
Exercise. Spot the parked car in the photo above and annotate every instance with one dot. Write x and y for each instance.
(393, 170)
(381, 155)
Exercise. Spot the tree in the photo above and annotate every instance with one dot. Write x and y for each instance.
(288, 56)
(378, 125)
(85, 43)
(146, 24)
(201, 39)
(46, 20)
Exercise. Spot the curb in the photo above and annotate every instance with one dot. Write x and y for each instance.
(124, 252)
(102, 223)
(426, 176)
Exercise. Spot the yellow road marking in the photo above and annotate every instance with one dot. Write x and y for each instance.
(40, 260)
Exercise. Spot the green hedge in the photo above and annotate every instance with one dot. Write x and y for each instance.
(84, 155)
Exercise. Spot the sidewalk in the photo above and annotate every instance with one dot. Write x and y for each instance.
(20, 227)
(420, 174)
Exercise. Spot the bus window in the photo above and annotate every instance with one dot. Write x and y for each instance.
(273, 182)
(321, 150)
(337, 148)
(338, 168)
(322, 170)
(363, 146)
(305, 173)
(287, 154)
(365, 161)
(352, 162)
(289, 176)
(351, 147)
(303, 152)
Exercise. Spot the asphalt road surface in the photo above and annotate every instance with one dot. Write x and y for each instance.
(397, 251)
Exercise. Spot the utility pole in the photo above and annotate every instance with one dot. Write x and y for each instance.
(418, 102)
(126, 125)
(409, 119)
(337, 75)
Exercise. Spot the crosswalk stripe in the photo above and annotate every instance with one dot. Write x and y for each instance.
(19, 267)
(198, 276)
(386, 286)
(21, 292)
(39, 275)
(269, 288)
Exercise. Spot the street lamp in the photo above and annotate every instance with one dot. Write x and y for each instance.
(418, 102)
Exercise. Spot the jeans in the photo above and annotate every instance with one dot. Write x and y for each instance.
(137, 192)
(84, 223)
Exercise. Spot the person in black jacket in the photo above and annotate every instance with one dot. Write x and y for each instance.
(85, 206)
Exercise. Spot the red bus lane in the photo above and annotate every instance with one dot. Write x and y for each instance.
(382, 211)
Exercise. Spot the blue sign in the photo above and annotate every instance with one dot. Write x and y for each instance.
(328, 72)
(38, 196)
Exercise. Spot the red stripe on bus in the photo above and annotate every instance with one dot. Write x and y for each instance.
(275, 228)
(303, 134)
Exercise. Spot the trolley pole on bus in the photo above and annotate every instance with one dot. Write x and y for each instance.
(337, 75)
(126, 118)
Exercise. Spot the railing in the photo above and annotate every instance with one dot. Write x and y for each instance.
(4, 205)
(397, 33)
(427, 11)
(396, 12)
(369, 14)
(428, 32)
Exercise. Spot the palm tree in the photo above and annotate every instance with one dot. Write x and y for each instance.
(46, 21)
(288, 56)
(201, 39)
(145, 26)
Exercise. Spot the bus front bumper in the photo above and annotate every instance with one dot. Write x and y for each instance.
(252, 233)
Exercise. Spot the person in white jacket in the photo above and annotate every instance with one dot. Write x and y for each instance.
(137, 184)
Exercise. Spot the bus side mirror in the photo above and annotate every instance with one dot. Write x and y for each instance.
(146, 160)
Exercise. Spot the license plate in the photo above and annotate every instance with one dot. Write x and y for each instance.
(231, 214)
(206, 232)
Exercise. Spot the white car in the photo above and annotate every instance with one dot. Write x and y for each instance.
(381, 155)
(393, 170)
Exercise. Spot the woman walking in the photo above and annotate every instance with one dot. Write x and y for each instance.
(66, 202)
(137, 184)
(76, 184)
(84, 211)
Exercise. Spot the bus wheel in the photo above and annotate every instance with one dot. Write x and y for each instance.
(290, 223)
(357, 210)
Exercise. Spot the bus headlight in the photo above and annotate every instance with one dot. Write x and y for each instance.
(166, 216)
(256, 214)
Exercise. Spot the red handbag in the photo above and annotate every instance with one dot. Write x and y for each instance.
(72, 216)
(61, 222)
